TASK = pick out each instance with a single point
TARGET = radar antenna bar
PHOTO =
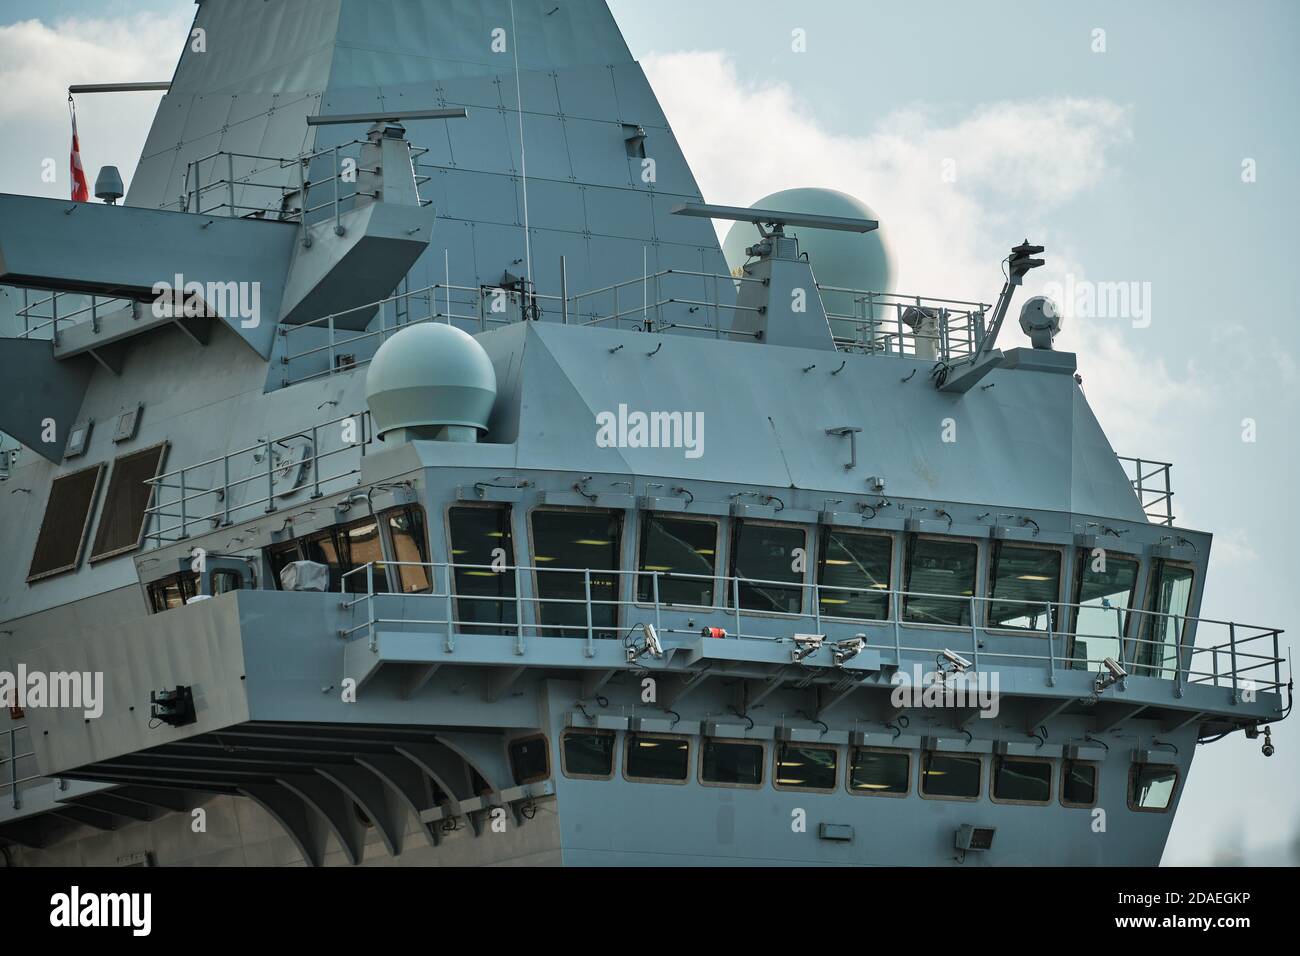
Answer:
(772, 217)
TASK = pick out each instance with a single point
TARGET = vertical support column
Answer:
(586, 587)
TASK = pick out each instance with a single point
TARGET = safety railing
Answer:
(59, 311)
(221, 491)
(889, 323)
(665, 301)
(1151, 484)
(14, 749)
(600, 604)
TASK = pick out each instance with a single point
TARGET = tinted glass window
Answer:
(725, 761)
(121, 520)
(1151, 786)
(576, 540)
(67, 519)
(936, 568)
(173, 591)
(589, 753)
(657, 758)
(876, 771)
(763, 556)
(1079, 782)
(280, 555)
(529, 760)
(1025, 780)
(406, 531)
(485, 586)
(1163, 634)
(359, 544)
(1104, 590)
(670, 548)
(322, 547)
(805, 767)
(853, 571)
(1025, 581)
(949, 775)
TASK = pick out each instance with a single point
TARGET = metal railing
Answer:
(9, 758)
(1151, 484)
(1146, 643)
(54, 312)
(673, 300)
(204, 494)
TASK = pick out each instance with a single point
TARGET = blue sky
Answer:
(1126, 163)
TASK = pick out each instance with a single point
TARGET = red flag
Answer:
(80, 191)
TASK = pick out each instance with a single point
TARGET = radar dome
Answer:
(849, 260)
(431, 381)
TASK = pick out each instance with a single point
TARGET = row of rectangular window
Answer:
(665, 758)
(677, 563)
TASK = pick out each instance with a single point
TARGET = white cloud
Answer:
(1015, 162)
(37, 64)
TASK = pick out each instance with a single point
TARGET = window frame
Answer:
(1131, 787)
(958, 755)
(1082, 557)
(1066, 762)
(1053, 626)
(537, 602)
(164, 448)
(732, 552)
(415, 510)
(893, 751)
(762, 762)
(546, 749)
(905, 577)
(589, 732)
(823, 533)
(632, 735)
(84, 541)
(776, 764)
(638, 545)
(1147, 618)
(994, 766)
(519, 602)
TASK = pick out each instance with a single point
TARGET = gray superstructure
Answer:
(553, 635)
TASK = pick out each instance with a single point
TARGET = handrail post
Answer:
(450, 642)
(13, 768)
(315, 463)
(184, 520)
(519, 616)
(370, 603)
(1232, 649)
(896, 600)
(586, 585)
(655, 583)
(225, 491)
(564, 291)
(1178, 655)
(230, 183)
(1051, 649)
(974, 636)
(1277, 665)
(735, 598)
(270, 480)
(338, 229)
(54, 317)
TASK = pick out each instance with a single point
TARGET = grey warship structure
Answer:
(425, 487)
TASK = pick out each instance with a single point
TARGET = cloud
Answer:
(37, 64)
(1015, 162)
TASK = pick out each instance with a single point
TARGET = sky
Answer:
(1150, 144)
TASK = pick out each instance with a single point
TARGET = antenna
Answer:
(771, 217)
(342, 119)
(523, 160)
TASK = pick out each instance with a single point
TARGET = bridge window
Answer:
(1025, 581)
(571, 542)
(1162, 632)
(588, 753)
(483, 551)
(1151, 787)
(950, 776)
(765, 558)
(1104, 588)
(67, 520)
(670, 548)
(806, 767)
(529, 759)
(880, 772)
(279, 556)
(731, 762)
(173, 591)
(406, 532)
(1078, 783)
(1022, 780)
(122, 519)
(657, 758)
(936, 568)
(853, 571)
